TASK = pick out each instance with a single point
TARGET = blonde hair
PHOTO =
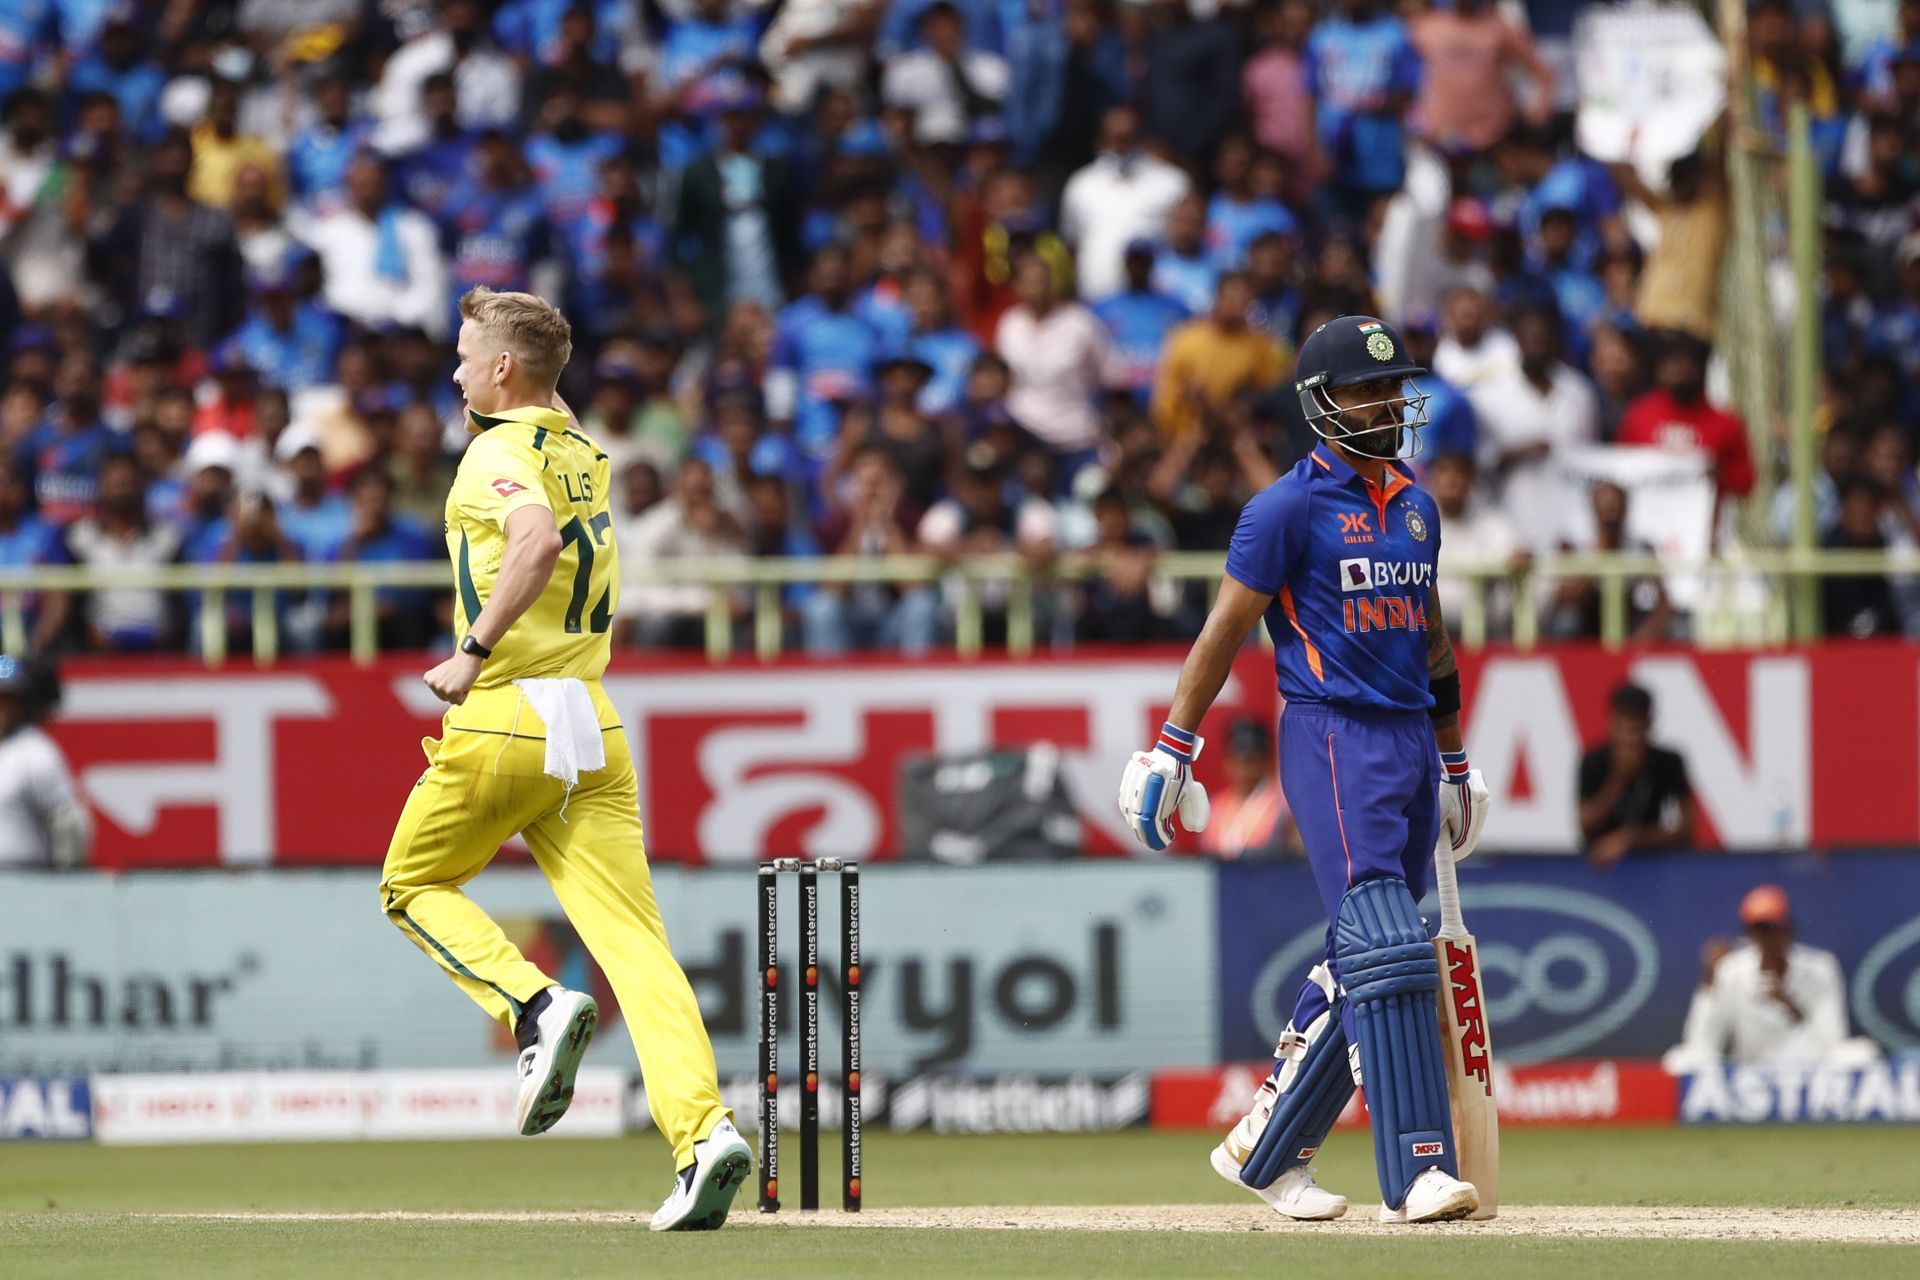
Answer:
(530, 327)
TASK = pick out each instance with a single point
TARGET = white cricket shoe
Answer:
(553, 1034)
(1294, 1194)
(1434, 1197)
(703, 1191)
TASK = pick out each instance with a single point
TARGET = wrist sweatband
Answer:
(1176, 742)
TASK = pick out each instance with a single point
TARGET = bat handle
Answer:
(1447, 884)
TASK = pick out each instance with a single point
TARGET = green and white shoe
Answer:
(703, 1191)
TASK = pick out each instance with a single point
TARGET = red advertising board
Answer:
(1604, 1092)
(310, 762)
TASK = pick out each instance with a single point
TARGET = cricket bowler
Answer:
(1338, 555)
(531, 746)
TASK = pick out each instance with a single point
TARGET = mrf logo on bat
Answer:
(1463, 979)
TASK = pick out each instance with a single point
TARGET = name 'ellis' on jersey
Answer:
(531, 457)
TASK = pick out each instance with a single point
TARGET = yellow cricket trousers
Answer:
(483, 785)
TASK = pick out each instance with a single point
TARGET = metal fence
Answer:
(1743, 598)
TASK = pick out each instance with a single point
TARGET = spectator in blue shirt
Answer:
(115, 67)
(376, 535)
(1528, 159)
(777, 530)
(567, 158)
(65, 452)
(81, 21)
(937, 342)
(28, 29)
(1363, 73)
(711, 39)
(1896, 331)
(26, 541)
(1140, 320)
(823, 355)
(318, 158)
(1580, 297)
(313, 516)
(1182, 268)
(248, 535)
(493, 227)
(536, 30)
(427, 174)
(1236, 215)
(1273, 275)
(290, 342)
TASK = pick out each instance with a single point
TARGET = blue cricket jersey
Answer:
(1351, 570)
(1352, 70)
(1139, 323)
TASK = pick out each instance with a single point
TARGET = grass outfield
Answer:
(80, 1210)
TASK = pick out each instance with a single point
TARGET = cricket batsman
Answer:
(530, 745)
(1338, 555)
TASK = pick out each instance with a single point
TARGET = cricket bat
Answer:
(1466, 1045)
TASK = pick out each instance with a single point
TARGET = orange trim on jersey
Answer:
(1313, 654)
(1396, 481)
(1324, 464)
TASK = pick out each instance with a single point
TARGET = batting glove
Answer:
(1463, 803)
(1159, 783)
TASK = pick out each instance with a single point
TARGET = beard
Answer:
(1371, 441)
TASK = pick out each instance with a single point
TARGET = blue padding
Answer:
(1387, 966)
(1303, 1116)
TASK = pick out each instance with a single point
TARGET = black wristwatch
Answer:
(469, 645)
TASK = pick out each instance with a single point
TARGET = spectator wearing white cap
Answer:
(43, 822)
(313, 515)
(1770, 999)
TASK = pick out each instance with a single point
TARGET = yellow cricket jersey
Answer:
(532, 457)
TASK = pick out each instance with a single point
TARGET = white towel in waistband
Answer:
(574, 745)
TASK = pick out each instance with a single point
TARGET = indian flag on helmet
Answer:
(1379, 345)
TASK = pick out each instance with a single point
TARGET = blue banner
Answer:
(1881, 1093)
(1581, 963)
(36, 1107)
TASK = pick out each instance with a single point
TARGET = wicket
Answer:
(808, 871)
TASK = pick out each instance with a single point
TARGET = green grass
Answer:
(64, 1210)
(1869, 1167)
(114, 1249)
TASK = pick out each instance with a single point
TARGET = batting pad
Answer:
(1391, 979)
(1303, 1114)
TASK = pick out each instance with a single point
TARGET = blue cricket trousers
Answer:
(1364, 787)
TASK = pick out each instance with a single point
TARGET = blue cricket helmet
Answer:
(1346, 352)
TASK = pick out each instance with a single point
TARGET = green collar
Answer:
(530, 415)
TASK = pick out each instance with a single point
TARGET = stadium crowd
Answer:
(853, 277)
